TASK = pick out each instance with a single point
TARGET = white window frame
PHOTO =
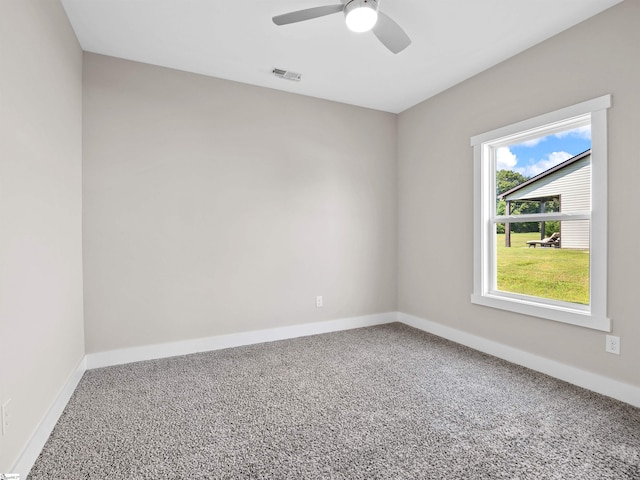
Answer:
(484, 146)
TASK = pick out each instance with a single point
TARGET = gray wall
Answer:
(213, 207)
(41, 325)
(435, 237)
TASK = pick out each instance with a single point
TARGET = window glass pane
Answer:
(552, 263)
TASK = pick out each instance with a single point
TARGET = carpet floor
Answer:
(386, 402)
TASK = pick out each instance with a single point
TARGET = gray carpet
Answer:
(384, 402)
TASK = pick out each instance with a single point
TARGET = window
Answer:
(540, 224)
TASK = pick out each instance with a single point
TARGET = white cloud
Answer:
(505, 159)
(580, 132)
(551, 160)
(533, 142)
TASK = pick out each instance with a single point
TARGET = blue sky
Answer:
(535, 156)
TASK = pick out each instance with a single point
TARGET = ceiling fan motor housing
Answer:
(361, 15)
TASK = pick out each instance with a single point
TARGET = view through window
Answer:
(544, 176)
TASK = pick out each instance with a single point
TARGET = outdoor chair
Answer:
(552, 241)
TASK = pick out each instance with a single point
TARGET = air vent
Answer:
(287, 75)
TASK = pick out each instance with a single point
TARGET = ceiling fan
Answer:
(360, 16)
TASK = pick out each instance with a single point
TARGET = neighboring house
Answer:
(570, 182)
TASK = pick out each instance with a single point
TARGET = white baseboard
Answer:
(39, 438)
(591, 381)
(151, 352)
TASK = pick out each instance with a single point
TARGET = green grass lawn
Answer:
(553, 273)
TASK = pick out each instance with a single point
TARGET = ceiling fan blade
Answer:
(307, 14)
(391, 34)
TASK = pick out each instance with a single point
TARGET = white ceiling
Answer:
(236, 40)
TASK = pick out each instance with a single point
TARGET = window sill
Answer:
(550, 312)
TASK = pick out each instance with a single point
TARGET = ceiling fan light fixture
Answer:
(361, 15)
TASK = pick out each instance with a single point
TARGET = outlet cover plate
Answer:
(4, 415)
(613, 344)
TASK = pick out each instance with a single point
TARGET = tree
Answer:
(505, 181)
(508, 179)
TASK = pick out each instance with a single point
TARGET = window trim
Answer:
(593, 316)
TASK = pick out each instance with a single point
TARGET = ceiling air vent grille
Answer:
(287, 75)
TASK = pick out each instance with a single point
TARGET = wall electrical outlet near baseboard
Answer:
(613, 344)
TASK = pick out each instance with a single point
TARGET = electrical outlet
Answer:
(4, 413)
(319, 301)
(613, 344)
